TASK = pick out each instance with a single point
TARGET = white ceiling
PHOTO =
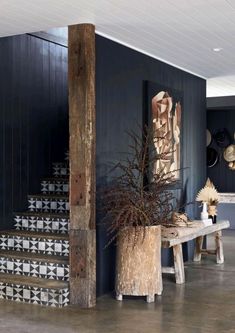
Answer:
(180, 32)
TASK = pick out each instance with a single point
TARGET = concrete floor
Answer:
(206, 303)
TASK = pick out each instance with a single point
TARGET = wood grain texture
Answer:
(227, 197)
(82, 126)
(219, 247)
(198, 235)
(179, 264)
(198, 248)
(220, 225)
(82, 277)
(138, 269)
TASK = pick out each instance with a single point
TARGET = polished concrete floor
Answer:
(206, 303)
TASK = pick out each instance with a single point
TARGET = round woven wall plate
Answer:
(212, 157)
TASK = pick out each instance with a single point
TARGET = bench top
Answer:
(169, 242)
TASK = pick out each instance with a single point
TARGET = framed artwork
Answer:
(163, 111)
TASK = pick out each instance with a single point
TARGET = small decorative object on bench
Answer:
(209, 196)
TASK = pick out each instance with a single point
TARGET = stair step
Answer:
(35, 242)
(39, 221)
(34, 264)
(55, 185)
(34, 257)
(32, 234)
(60, 169)
(34, 290)
(44, 214)
(55, 179)
(48, 203)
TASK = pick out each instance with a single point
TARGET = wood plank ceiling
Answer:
(182, 32)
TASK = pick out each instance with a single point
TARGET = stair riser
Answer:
(35, 245)
(51, 225)
(40, 296)
(60, 169)
(38, 269)
(57, 187)
(48, 205)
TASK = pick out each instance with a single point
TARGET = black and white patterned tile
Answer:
(54, 186)
(60, 169)
(41, 223)
(58, 247)
(33, 295)
(48, 204)
(30, 267)
(66, 156)
(48, 213)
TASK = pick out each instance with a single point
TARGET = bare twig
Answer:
(138, 196)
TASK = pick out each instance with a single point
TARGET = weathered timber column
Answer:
(82, 235)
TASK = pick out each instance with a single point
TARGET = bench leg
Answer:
(160, 285)
(219, 247)
(179, 264)
(198, 249)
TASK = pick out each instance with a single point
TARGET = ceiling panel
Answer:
(182, 32)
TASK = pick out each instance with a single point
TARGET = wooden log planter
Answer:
(138, 270)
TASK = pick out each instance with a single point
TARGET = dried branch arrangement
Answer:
(138, 197)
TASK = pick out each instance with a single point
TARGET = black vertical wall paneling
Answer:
(46, 87)
(52, 83)
(29, 113)
(220, 174)
(61, 118)
(7, 176)
(119, 99)
(120, 75)
(223, 178)
(15, 177)
(3, 97)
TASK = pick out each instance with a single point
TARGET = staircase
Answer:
(34, 266)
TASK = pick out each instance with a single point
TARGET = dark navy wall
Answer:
(33, 117)
(34, 126)
(220, 174)
(119, 81)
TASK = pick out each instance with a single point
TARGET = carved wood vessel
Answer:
(138, 270)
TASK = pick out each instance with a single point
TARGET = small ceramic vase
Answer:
(204, 213)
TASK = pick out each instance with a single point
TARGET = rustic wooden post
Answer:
(82, 236)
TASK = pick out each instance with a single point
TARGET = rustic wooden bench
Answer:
(176, 244)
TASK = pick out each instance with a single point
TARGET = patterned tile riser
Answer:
(35, 223)
(57, 187)
(34, 245)
(41, 296)
(60, 169)
(38, 269)
(48, 205)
